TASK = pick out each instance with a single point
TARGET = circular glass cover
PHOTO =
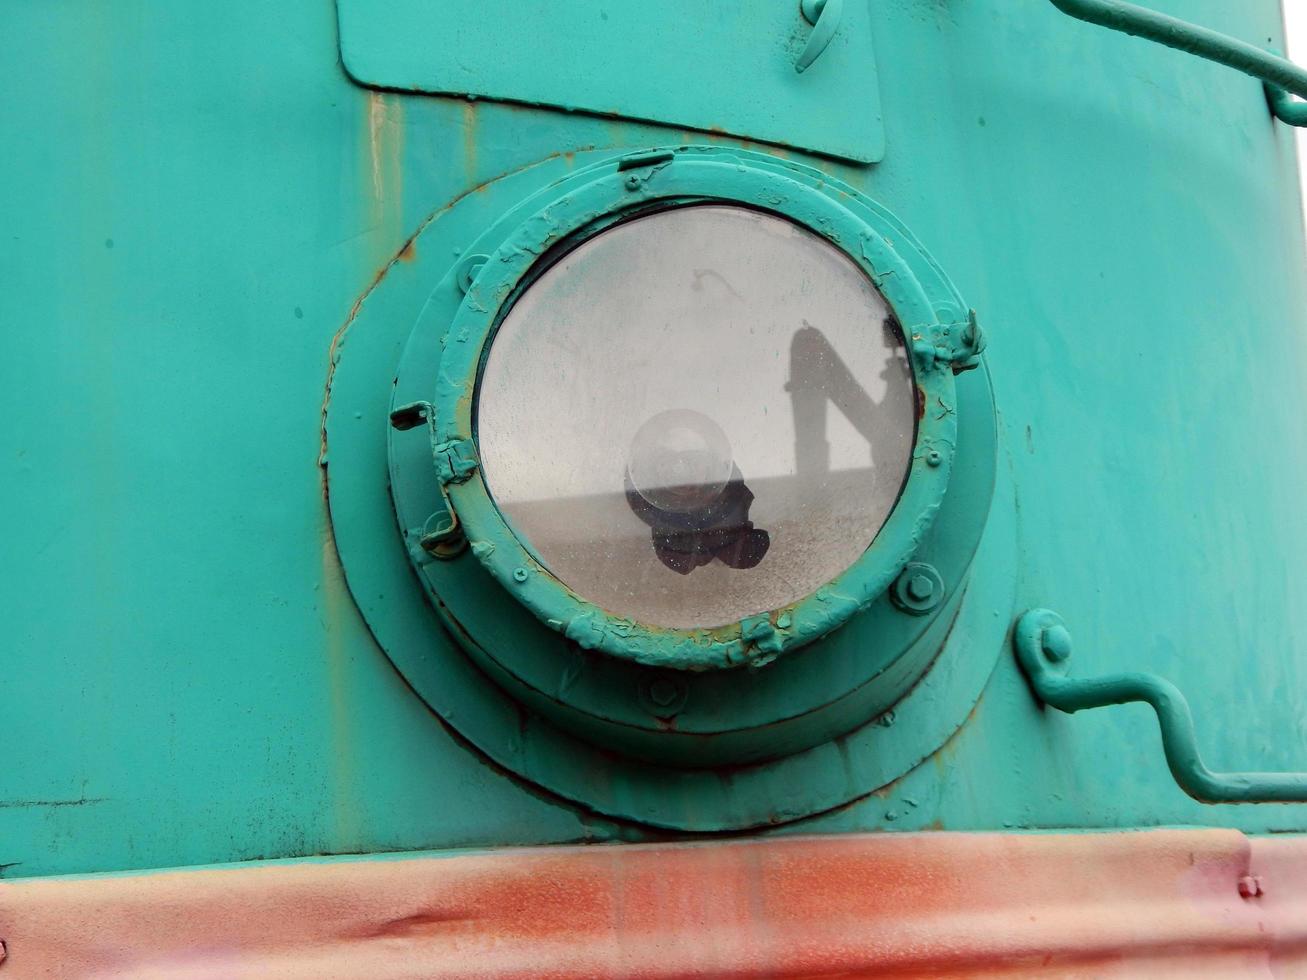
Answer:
(697, 415)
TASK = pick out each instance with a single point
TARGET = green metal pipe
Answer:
(1043, 647)
(1281, 76)
(1285, 107)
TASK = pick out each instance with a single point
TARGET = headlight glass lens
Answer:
(697, 415)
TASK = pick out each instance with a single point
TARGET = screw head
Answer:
(520, 574)
(632, 181)
(934, 458)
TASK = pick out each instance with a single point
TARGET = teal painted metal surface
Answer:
(202, 206)
(1043, 646)
(806, 734)
(1282, 77)
(758, 58)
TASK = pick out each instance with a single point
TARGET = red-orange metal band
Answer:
(1147, 904)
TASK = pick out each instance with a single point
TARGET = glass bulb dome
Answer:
(680, 461)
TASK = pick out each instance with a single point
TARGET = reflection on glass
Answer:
(683, 482)
(635, 385)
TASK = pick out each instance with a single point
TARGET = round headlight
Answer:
(697, 415)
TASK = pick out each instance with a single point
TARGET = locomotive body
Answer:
(276, 617)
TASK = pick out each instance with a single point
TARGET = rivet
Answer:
(520, 574)
(1055, 641)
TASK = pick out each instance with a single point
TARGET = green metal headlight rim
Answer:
(739, 748)
(867, 237)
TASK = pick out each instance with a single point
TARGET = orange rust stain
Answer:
(405, 252)
(904, 905)
(385, 142)
(470, 140)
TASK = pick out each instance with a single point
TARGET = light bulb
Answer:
(680, 461)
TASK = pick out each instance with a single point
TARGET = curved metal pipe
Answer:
(1279, 75)
(1043, 647)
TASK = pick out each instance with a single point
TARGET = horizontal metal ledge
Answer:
(1179, 902)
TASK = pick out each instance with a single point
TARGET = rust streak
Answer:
(409, 246)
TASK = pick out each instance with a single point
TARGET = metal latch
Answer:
(454, 461)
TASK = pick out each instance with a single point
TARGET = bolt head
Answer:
(1056, 643)
(920, 587)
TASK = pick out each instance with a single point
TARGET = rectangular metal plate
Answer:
(722, 66)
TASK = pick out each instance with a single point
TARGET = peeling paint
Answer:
(599, 195)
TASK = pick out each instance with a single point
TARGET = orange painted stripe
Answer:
(1148, 904)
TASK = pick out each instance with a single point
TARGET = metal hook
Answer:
(1043, 647)
(824, 16)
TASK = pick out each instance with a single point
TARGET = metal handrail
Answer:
(1043, 647)
(1280, 76)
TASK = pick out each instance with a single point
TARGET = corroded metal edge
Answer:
(1173, 902)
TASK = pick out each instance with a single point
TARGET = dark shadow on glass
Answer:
(819, 375)
(686, 540)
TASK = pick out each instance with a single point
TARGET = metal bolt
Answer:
(1055, 641)
(934, 457)
(663, 696)
(920, 587)
(520, 574)
(632, 181)
(468, 269)
(1250, 886)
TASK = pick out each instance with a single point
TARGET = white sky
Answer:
(1295, 20)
